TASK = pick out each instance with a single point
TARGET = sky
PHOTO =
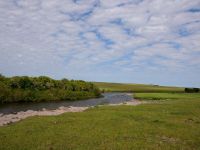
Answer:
(128, 41)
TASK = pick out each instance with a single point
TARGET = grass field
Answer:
(122, 87)
(170, 124)
(166, 96)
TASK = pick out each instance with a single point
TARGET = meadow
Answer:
(172, 123)
(166, 96)
(125, 87)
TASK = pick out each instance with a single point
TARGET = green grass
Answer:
(122, 87)
(166, 96)
(172, 124)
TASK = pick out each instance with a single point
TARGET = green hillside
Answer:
(123, 87)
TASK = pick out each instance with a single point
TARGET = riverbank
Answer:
(11, 118)
(13, 113)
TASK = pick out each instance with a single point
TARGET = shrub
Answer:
(32, 89)
(192, 90)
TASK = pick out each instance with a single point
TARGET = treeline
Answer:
(192, 90)
(35, 89)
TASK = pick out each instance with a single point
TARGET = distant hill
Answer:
(126, 87)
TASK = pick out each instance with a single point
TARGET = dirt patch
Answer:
(135, 102)
(132, 103)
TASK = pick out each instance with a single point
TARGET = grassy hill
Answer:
(123, 87)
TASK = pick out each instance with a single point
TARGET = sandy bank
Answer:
(10, 118)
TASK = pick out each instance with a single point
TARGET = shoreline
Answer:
(11, 118)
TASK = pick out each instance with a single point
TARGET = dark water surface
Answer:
(109, 98)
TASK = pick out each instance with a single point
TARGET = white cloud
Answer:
(118, 34)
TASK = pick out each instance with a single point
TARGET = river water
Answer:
(109, 98)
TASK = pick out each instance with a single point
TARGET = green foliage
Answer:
(4, 92)
(192, 90)
(32, 89)
(2, 77)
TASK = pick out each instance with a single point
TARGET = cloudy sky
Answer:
(137, 41)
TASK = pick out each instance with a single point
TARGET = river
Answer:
(109, 98)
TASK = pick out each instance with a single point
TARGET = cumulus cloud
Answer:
(84, 38)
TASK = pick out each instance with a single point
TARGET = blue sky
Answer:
(136, 41)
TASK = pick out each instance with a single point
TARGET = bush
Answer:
(192, 90)
(32, 89)
(4, 92)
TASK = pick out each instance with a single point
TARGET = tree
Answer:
(25, 83)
